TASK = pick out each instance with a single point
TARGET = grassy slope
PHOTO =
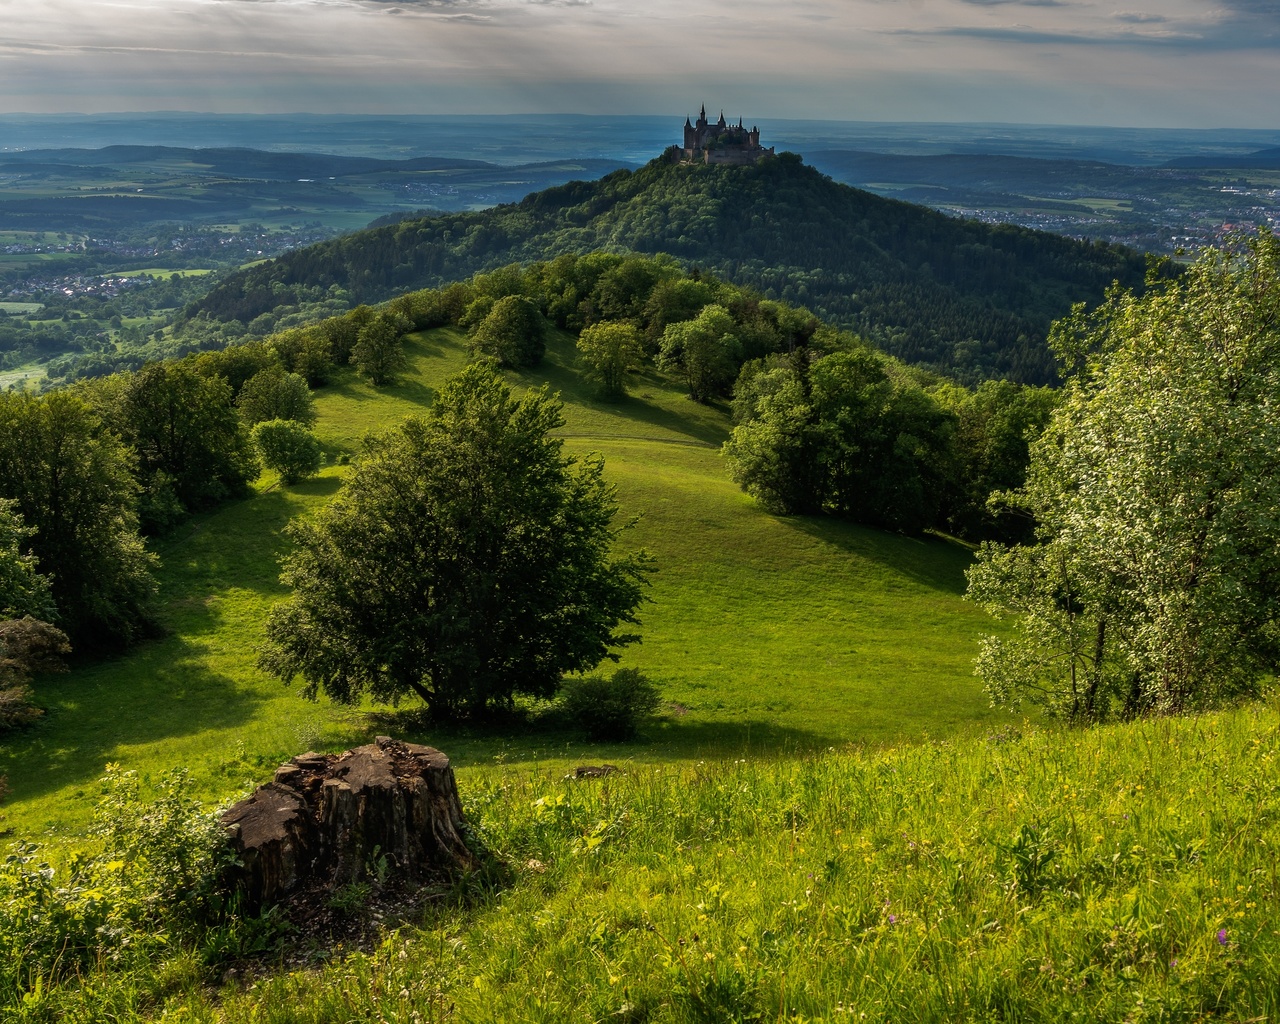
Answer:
(1043, 877)
(773, 634)
(1123, 874)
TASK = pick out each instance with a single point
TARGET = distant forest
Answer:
(971, 300)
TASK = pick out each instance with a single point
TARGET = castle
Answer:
(718, 143)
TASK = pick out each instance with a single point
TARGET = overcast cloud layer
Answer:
(1177, 63)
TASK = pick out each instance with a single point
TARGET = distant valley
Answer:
(98, 214)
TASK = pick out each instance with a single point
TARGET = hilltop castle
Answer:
(718, 143)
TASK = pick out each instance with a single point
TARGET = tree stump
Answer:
(388, 811)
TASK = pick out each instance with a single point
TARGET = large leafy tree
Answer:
(70, 479)
(467, 559)
(189, 441)
(273, 394)
(289, 448)
(1154, 582)
(610, 351)
(704, 350)
(513, 331)
(23, 590)
(378, 351)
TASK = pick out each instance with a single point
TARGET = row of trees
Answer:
(841, 434)
(825, 425)
(87, 472)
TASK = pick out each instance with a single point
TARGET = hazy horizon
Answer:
(1175, 64)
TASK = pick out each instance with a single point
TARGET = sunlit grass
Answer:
(1126, 873)
(766, 635)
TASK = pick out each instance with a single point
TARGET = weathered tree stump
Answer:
(389, 810)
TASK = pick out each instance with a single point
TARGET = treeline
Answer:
(88, 472)
(825, 424)
(969, 299)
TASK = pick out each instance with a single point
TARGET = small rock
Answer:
(592, 771)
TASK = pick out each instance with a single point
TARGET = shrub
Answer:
(27, 646)
(272, 394)
(289, 448)
(159, 878)
(610, 709)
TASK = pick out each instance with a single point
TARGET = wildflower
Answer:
(1222, 936)
(893, 918)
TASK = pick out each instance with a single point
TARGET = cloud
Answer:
(1019, 3)
(1139, 17)
(1160, 61)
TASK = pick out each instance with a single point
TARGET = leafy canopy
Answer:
(273, 394)
(609, 351)
(23, 591)
(289, 448)
(71, 481)
(466, 560)
(1154, 582)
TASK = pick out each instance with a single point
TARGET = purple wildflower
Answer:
(893, 918)
(1222, 936)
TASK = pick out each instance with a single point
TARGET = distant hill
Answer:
(121, 188)
(1263, 159)
(242, 163)
(962, 297)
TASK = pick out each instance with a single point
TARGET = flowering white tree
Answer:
(1154, 584)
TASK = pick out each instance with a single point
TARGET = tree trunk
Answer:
(388, 811)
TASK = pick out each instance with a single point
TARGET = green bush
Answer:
(156, 884)
(289, 448)
(610, 709)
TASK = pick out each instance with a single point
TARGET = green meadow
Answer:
(827, 823)
(766, 635)
(1126, 873)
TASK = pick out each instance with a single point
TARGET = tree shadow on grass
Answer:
(516, 741)
(316, 487)
(564, 378)
(408, 389)
(156, 692)
(934, 562)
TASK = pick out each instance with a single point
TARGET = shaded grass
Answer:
(767, 635)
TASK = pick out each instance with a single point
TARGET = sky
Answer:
(1173, 63)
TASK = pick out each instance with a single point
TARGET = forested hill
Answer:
(968, 298)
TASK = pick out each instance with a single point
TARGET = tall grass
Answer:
(1123, 874)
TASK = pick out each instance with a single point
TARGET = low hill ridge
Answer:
(971, 299)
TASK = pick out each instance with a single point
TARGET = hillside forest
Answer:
(1123, 522)
(956, 296)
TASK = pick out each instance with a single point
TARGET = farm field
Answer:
(766, 635)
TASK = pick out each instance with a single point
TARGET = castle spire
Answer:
(703, 113)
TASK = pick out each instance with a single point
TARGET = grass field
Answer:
(766, 634)
(161, 272)
(785, 846)
(21, 307)
(28, 374)
(1122, 874)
